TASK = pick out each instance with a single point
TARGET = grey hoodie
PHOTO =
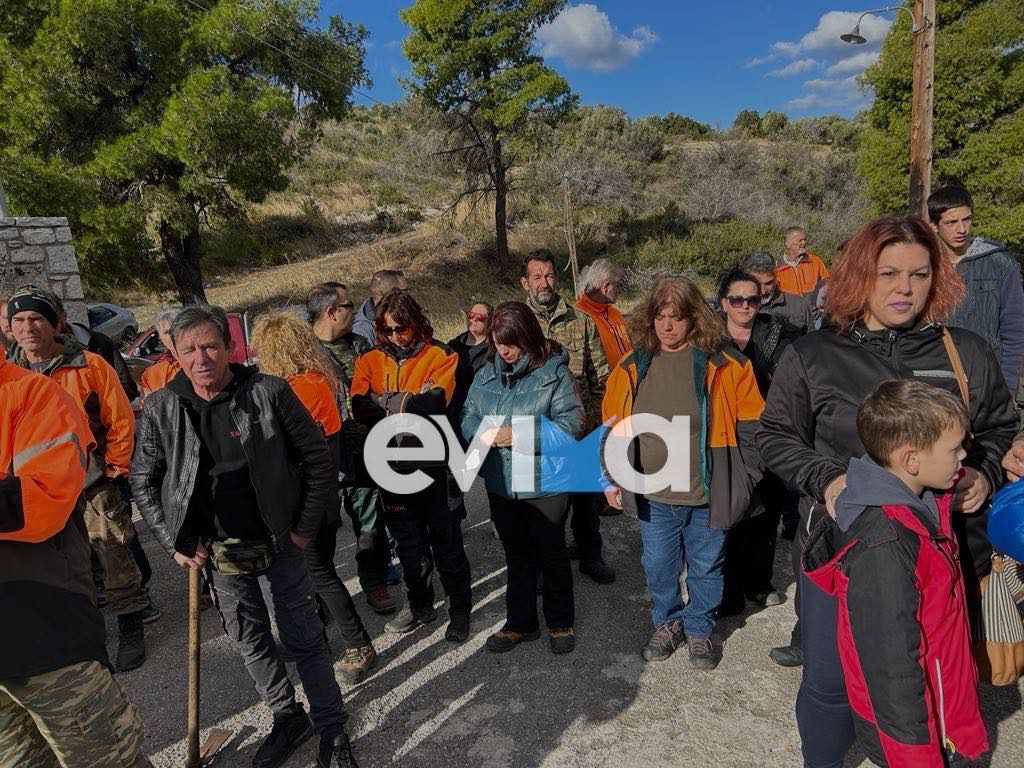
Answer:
(994, 305)
(869, 485)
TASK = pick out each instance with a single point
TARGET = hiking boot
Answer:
(407, 620)
(664, 641)
(357, 662)
(563, 640)
(504, 640)
(289, 731)
(150, 613)
(336, 753)
(380, 600)
(131, 649)
(703, 654)
(458, 628)
(598, 571)
(787, 656)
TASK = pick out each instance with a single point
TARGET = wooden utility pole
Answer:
(570, 236)
(921, 107)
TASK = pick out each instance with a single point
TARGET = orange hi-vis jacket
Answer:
(730, 405)
(802, 279)
(94, 385)
(421, 383)
(44, 443)
(157, 375)
(46, 592)
(611, 326)
(316, 393)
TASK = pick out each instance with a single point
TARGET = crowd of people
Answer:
(875, 442)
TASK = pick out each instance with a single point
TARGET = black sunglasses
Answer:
(738, 301)
(390, 330)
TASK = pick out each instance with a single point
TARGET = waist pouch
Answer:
(235, 557)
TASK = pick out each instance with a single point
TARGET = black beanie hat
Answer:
(30, 298)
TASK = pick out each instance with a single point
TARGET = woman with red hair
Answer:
(886, 301)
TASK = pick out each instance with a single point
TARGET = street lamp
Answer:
(922, 95)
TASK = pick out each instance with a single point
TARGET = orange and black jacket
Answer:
(802, 279)
(730, 405)
(611, 326)
(46, 589)
(157, 375)
(321, 400)
(386, 381)
(94, 385)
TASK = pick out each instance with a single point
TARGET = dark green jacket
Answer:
(549, 390)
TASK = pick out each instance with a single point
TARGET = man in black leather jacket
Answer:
(233, 475)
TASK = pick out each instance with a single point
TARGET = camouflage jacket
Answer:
(576, 331)
(342, 353)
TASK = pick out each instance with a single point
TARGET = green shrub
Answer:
(709, 247)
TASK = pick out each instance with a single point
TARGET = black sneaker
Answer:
(703, 654)
(336, 753)
(563, 640)
(289, 731)
(598, 571)
(663, 642)
(458, 628)
(787, 656)
(150, 613)
(407, 620)
(131, 649)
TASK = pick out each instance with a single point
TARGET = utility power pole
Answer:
(570, 235)
(922, 107)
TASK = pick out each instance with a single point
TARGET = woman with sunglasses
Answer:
(750, 546)
(886, 299)
(471, 346)
(528, 375)
(287, 348)
(407, 371)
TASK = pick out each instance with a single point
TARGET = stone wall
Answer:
(39, 250)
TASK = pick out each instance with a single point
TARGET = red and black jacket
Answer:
(902, 632)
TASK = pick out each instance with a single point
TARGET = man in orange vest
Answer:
(600, 284)
(166, 366)
(799, 272)
(94, 386)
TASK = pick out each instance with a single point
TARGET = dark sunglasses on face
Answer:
(391, 330)
(477, 317)
(738, 301)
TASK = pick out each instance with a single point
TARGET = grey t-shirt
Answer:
(668, 390)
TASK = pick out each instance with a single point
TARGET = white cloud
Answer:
(824, 38)
(583, 36)
(857, 63)
(789, 49)
(757, 61)
(797, 67)
(826, 93)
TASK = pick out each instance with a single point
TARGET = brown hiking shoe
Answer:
(380, 601)
(357, 663)
(563, 640)
(505, 640)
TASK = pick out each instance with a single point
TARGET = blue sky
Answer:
(707, 60)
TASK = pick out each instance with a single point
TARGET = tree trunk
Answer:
(500, 198)
(181, 252)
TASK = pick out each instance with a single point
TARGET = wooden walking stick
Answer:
(196, 757)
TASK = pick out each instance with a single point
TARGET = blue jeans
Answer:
(669, 533)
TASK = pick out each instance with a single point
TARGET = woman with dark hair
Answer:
(472, 346)
(679, 368)
(527, 375)
(407, 371)
(750, 548)
(886, 298)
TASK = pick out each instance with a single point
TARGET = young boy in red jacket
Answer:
(891, 559)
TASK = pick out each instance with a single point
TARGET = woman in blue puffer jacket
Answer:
(527, 375)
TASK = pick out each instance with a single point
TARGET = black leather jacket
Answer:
(289, 462)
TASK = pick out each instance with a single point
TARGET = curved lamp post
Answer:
(922, 94)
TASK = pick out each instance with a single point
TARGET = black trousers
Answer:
(331, 589)
(586, 525)
(750, 547)
(428, 534)
(532, 531)
(373, 553)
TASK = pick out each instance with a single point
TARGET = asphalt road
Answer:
(430, 703)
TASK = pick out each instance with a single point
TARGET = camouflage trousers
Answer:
(73, 717)
(109, 520)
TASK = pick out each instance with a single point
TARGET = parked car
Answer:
(118, 323)
(147, 344)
